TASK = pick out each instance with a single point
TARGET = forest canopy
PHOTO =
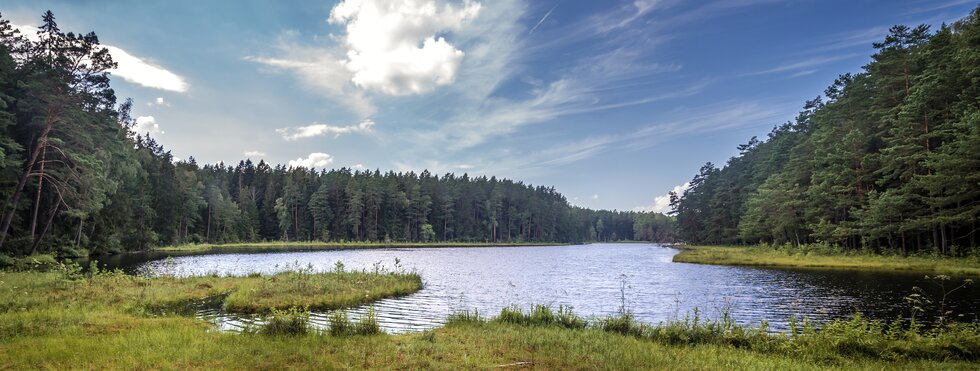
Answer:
(887, 159)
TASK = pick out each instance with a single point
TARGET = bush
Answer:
(37, 263)
(368, 325)
(542, 315)
(292, 321)
(341, 325)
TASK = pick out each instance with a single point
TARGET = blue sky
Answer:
(614, 103)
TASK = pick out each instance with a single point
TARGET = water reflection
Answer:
(596, 279)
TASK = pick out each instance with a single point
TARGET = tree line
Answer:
(888, 158)
(76, 178)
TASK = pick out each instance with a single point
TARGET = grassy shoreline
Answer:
(340, 245)
(66, 319)
(764, 256)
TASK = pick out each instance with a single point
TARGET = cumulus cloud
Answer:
(313, 161)
(131, 68)
(661, 204)
(394, 47)
(159, 102)
(254, 154)
(147, 125)
(322, 129)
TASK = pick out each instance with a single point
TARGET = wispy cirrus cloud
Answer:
(142, 72)
(683, 121)
(321, 70)
(133, 69)
(315, 130)
(803, 65)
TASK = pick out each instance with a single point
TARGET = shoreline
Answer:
(317, 245)
(764, 257)
(113, 323)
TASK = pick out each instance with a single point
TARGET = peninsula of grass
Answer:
(322, 291)
(821, 257)
(321, 245)
(115, 291)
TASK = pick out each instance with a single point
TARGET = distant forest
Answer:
(75, 178)
(889, 161)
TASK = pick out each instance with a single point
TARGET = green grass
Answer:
(336, 245)
(25, 291)
(323, 291)
(118, 340)
(805, 257)
(68, 320)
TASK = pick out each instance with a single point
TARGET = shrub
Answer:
(292, 321)
(37, 263)
(341, 325)
(368, 325)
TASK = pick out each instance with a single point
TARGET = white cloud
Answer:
(147, 125)
(321, 71)
(595, 196)
(358, 167)
(141, 72)
(803, 65)
(322, 129)
(130, 67)
(523, 159)
(391, 47)
(661, 204)
(546, 15)
(254, 154)
(313, 161)
(159, 102)
(396, 47)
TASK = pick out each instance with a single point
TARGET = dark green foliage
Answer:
(889, 161)
(36, 263)
(76, 179)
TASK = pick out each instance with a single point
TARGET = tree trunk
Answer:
(47, 227)
(207, 235)
(40, 187)
(942, 236)
(78, 236)
(11, 207)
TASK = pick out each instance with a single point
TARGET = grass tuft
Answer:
(341, 324)
(292, 322)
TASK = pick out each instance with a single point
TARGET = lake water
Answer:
(594, 279)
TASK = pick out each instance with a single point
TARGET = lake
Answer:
(594, 279)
